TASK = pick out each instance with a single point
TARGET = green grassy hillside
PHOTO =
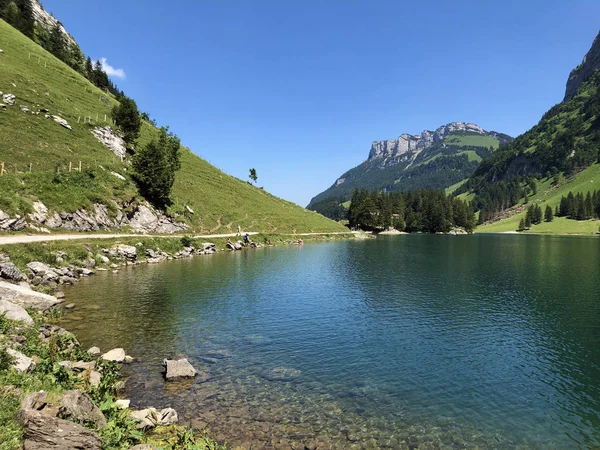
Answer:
(548, 194)
(30, 142)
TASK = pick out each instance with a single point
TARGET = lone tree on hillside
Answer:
(127, 117)
(252, 175)
(155, 166)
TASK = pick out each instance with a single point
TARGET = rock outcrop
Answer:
(15, 312)
(409, 144)
(78, 407)
(42, 18)
(591, 62)
(27, 298)
(141, 218)
(111, 140)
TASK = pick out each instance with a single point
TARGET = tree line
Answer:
(426, 210)
(19, 14)
(579, 207)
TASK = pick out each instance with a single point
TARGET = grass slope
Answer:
(472, 141)
(39, 80)
(587, 180)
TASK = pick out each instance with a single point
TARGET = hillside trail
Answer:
(32, 238)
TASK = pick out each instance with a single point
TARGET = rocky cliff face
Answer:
(591, 61)
(409, 144)
(44, 19)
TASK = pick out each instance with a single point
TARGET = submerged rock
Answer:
(176, 369)
(282, 374)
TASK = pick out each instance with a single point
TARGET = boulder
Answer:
(11, 272)
(36, 401)
(151, 417)
(116, 354)
(9, 99)
(177, 369)
(123, 404)
(126, 251)
(61, 122)
(41, 269)
(15, 312)
(47, 330)
(43, 431)
(24, 108)
(79, 407)
(94, 351)
(40, 213)
(27, 298)
(22, 363)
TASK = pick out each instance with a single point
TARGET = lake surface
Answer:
(414, 341)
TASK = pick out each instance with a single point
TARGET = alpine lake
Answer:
(413, 341)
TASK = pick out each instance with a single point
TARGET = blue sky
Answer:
(300, 89)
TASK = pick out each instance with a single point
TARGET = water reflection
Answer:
(400, 342)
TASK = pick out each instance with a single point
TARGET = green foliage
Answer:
(120, 431)
(549, 214)
(155, 167)
(252, 175)
(427, 211)
(521, 224)
(219, 201)
(127, 118)
(186, 241)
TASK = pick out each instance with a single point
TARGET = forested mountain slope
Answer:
(435, 159)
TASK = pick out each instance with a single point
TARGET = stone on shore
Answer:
(9, 271)
(94, 351)
(116, 354)
(15, 312)
(176, 369)
(27, 298)
(22, 363)
(151, 417)
(79, 407)
(126, 251)
(123, 404)
(43, 431)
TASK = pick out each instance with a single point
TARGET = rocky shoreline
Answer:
(86, 413)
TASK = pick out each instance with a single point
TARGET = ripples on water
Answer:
(408, 341)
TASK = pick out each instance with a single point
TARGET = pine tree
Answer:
(27, 22)
(588, 206)
(155, 166)
(89, 69)
(527, 221)
(521, 225)
(57, 44)
(549, 216)
(127, 117)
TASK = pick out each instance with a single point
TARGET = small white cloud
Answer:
(111, 71)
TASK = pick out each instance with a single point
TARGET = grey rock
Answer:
(70, 306)
(143, 447)
(126, 251)
(123, 404)
(591, 61)
(42, 270)
(177, 369)
(61, 121)
(10, 272)
(24, 108)
(15, 312)
(36, 401)
(116, 354)
(94, 351)
(9, 99)
(40, 213)
(151, 417)
(22, 363)
(27, 298)
(111, 139)
(43, 432)
(79, 407)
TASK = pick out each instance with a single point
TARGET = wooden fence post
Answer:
(1, 168)
(80, 166)
(29, 167)
(70, 164)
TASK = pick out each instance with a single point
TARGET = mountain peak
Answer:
(591, 61)
(408, 143)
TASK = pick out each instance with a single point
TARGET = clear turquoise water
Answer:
(412, 341)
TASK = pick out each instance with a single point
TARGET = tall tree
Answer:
(549, 215)
(253, 175)
(155, 167)
(127, 117)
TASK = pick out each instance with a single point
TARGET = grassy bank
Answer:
(549, 194)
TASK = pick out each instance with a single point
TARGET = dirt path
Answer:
(26, 239)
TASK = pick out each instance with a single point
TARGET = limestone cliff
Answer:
(591, 61)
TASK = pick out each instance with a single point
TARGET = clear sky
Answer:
(299, 89)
